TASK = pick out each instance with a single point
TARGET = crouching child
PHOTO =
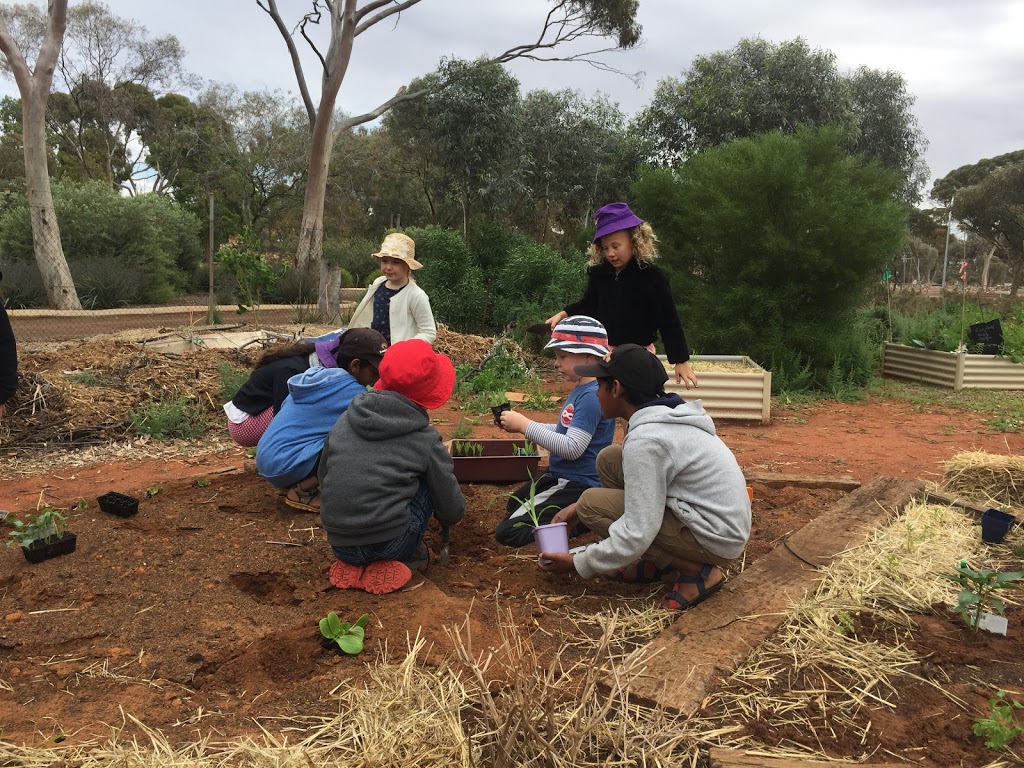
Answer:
(673, 503)
(385, 471)
(573, 441)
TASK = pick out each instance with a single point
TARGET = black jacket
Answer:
(268, 386)
(634, 306)
(8, 358)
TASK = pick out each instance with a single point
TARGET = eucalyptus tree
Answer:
(572, 23)
(30, 55)
(759, 86)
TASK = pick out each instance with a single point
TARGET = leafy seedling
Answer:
(349, 637)
(1001, 726)
(533, 514)
(977, 590)
(153, 491)
(81, 504)
(202, 482)
(48, 523)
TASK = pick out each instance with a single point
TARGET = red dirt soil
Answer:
(207, 601)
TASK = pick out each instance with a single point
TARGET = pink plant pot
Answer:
(552, 538)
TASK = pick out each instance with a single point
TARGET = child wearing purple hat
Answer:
(627, 293)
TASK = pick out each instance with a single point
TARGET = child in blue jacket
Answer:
(288, 453)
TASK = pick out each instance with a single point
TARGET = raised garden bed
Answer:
(497, 461)
(729, 386)
(952, 370)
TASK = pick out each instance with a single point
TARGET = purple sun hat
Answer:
(612, 218)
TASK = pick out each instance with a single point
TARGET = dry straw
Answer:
(817, 675)
(993, 479)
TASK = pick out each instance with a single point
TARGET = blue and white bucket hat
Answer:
(580, 334)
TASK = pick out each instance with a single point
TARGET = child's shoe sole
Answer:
(384, 576)
(345, 576)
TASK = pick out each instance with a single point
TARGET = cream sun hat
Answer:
(401, 247)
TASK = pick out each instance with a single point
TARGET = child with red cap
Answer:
(385, 471)
(627, 293)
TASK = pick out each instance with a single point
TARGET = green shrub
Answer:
(450, 277)
(22, 287)
(355, 257)
(231, 380)
(106, 283)
(148, 233)
(165, 419)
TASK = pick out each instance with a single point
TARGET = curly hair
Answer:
(643, 240)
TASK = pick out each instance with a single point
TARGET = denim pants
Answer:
(402, 547)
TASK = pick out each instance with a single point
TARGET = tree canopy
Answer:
(760, 86)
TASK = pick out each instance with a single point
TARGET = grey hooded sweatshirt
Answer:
(674, 463)
(371, 468)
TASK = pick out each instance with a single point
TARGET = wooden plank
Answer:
(776, 480)
(933, 496)
(736, 758)
(709, 641)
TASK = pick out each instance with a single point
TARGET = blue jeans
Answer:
(402, 547)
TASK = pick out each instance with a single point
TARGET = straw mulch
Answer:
(992, 479)
(815, 674)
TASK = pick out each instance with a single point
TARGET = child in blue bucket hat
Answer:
(627, 292)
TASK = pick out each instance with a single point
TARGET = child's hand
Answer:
(567, 515)
(685, 375)
(560, 562)
(514, 422)
(556, 319)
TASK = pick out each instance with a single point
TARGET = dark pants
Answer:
(551, 495)
(401, 547)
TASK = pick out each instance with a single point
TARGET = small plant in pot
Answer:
(43, 536)
(498, 406)
(347, 638)
(526, 449)
(977, 590)
(550, 537)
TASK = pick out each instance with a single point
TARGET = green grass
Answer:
(1005, 407)
(86, 378)
(231, 380)
(166, 419)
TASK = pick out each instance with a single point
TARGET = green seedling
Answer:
(526, 449)
(1001, 726)
(533, 514)
(48, 523)
(202, 482)
(977, 590)
(153, 491)
(349, 637)
(462, 429)
(81, 504)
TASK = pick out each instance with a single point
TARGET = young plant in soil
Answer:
(977, 590)
(526, 449)
(1001, 726)
(533, 514)
(348, 637)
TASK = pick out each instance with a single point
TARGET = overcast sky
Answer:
(962, 59)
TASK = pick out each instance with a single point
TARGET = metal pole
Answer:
(945, 257)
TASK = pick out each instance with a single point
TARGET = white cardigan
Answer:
(410, 314)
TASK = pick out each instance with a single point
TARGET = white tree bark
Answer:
(34, 89)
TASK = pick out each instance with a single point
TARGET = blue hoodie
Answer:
(289, 449)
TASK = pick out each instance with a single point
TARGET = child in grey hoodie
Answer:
(673, 503)
(385, 471)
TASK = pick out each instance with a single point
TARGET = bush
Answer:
(535, 280)
(106, 283)
(165, 419)
(22, 287)
(451, 278)
(355, 257)
(776, 240)
(149, 233)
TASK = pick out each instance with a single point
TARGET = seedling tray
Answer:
(497, 464)
(118, 504)
(38, 551)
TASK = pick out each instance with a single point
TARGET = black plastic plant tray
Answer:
(118, 504)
